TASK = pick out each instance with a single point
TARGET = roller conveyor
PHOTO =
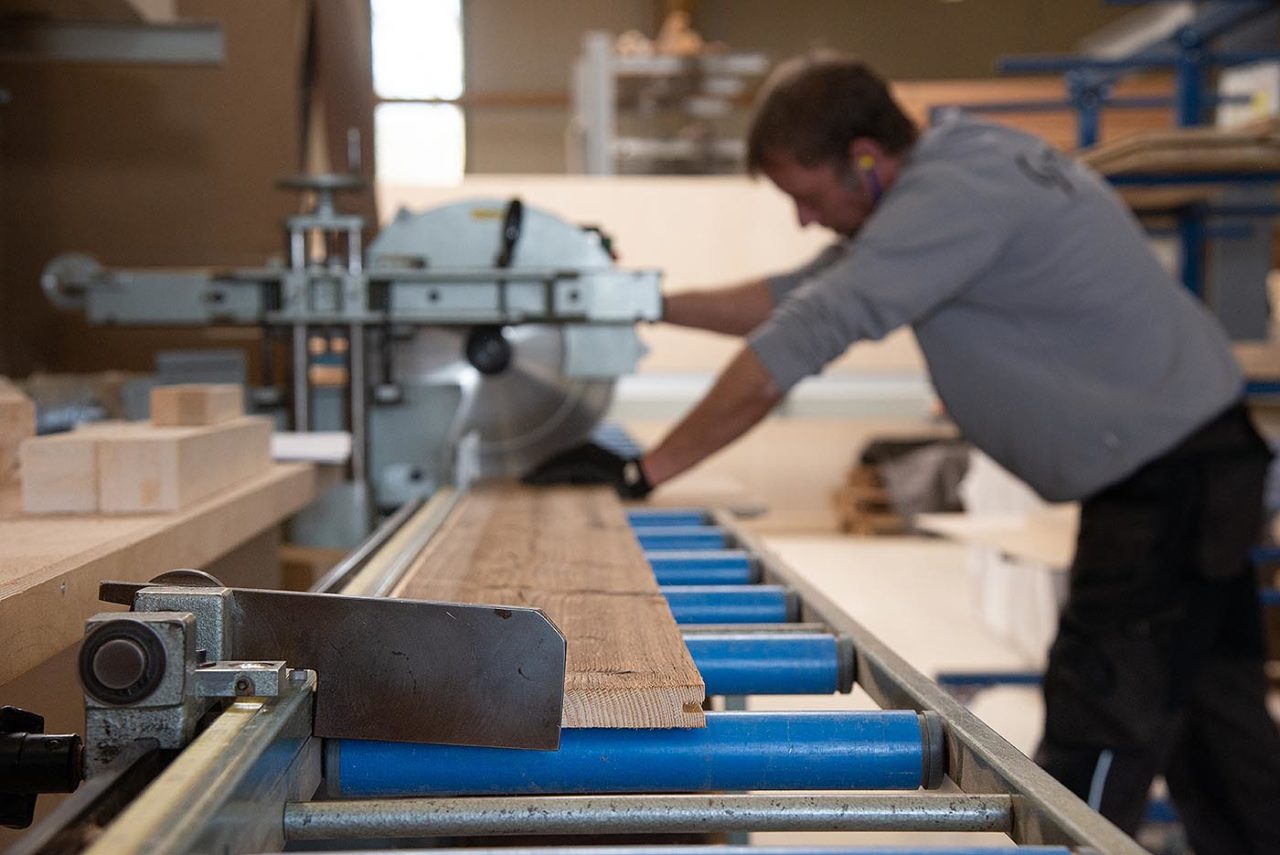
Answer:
(767, 633)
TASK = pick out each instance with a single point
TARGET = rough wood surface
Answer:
(50, 566)
(195, 404)
(570, 552)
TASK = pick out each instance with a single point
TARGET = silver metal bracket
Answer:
(389, 669)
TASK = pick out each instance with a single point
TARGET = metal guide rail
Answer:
(248, 782)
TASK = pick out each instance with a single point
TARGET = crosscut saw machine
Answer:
(484, 319)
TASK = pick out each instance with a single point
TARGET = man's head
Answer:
(829, 135)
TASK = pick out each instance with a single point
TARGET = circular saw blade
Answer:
(521, 415)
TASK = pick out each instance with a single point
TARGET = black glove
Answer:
(591, 464)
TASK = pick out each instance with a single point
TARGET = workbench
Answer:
(50, 566)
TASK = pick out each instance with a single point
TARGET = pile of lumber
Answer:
(1251, 148)
(863, 506)
(197, 442)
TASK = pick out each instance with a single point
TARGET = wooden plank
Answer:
(164, 469)
(60, 474)
(196, 404)
(17, 422)
(50, 566)
(570, 552)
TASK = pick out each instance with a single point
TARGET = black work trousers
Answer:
(1158, 663)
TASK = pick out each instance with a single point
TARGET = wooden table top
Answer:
(50, 565)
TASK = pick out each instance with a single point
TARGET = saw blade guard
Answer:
(511, 390)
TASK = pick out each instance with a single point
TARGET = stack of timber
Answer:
(1254, 147)
(570, 552)
(202, 443)
(863, 506)
(1251, 148)
(17, 423)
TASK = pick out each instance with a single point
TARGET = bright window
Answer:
(417, 79)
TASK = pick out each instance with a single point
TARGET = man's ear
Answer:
(865, 155)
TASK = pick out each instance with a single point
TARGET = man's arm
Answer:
(735, 310)
(742, 395)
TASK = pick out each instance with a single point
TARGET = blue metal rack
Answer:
(1190, 54)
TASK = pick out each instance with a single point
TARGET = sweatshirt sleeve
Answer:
(932, 236)
(782, 284)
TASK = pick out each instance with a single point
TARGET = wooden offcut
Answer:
(60, 474)
(167, 468)
(196, 404)
(571, 552)
(17, 422)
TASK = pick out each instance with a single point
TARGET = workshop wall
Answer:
(519, 55)
(145, 166)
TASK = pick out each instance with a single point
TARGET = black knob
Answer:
(34, 762)
(488, 350)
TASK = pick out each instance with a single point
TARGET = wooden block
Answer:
(60, 474)
(570, 552)
(192, 404)
(166, 468)
(17, 422)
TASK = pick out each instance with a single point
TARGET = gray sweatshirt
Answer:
(1057, 342)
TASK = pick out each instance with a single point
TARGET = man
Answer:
(1063, 350)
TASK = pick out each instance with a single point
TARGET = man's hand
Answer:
(591, 464)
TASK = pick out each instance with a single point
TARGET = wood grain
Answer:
(17, 422)
(167, 468)
(50, 566)
(60, 474)
(195, 404)
(570, 552)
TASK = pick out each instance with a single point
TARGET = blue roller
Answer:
(729, 603)
(682, 537)
(702, 567)
(666, 517)
(881, 750)
(783, 664)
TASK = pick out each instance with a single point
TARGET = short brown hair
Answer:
(813, 106)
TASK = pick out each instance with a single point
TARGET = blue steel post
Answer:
(1191, 240)
(883, 750)
(1087, 96)
(1189, 76)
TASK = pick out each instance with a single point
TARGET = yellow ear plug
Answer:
(866, 162)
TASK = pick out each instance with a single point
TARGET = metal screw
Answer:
(243, 686)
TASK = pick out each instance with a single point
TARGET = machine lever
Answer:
(512, 223)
